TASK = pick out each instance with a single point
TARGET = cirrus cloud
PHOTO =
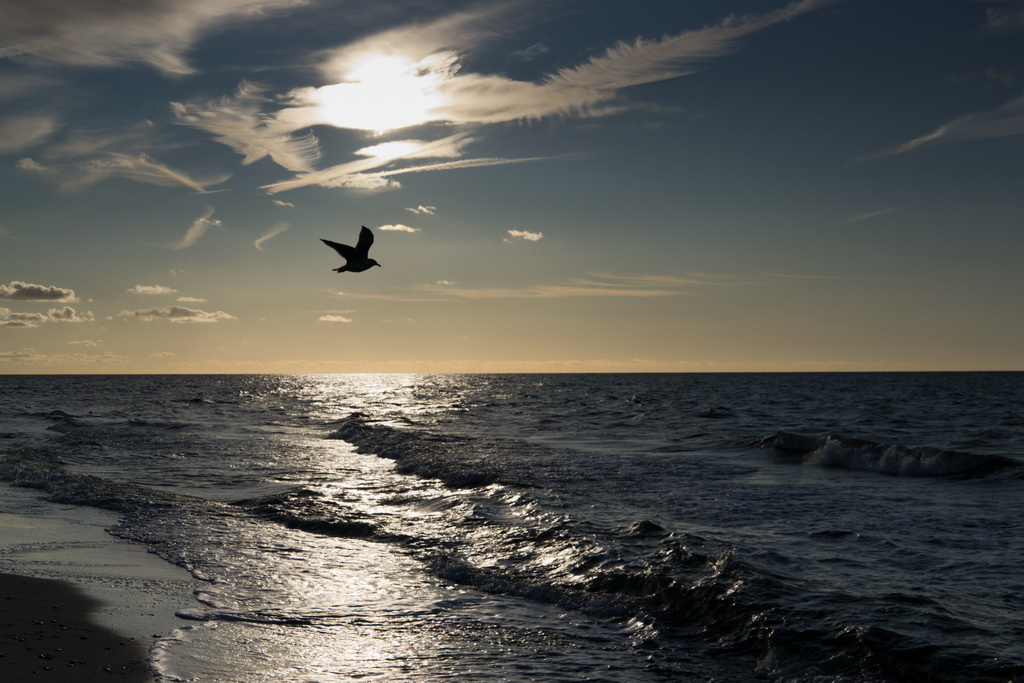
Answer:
(112, 32)
(196, 230)
(270, 234)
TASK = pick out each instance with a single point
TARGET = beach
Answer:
(48, 628)
(76, 603)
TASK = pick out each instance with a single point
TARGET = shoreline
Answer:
(47, 627)
(77, 603)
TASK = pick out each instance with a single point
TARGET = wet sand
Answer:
(77, 604)
(46, 634)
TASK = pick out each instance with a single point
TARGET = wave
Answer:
(868, 456)
(458, 461)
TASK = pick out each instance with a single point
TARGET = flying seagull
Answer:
(356, 258)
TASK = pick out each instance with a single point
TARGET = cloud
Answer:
(646, 61)
(270, 234)
(9, 318)
(67, 314)
(196, 230)
(525, 235)
(32, 165)
(141, 168)
(177, 314)
(416, 74)
(21, 132)
(429, 210)
(1004, 21)
(24, 291)
(353, 174)
(597, 285)
(398, 227)
(239, 123)
(16, 85)
(280, 203)
(331, 318)
(530, 53)
(86, 342)
(572, 289)
(113, 32)
(32, 357)
(190, 300)
(138, 167)
(1004, 77)
(1005, 121)
(868, 216)
(152, 289)
(90, 142)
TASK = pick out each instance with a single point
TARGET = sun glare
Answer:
(381, 93)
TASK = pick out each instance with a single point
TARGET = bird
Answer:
(356, 258)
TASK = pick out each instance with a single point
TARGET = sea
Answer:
(566, 527)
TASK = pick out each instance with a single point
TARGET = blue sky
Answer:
(553, 186)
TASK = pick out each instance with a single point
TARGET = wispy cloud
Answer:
(573, 289)
(270, 234)
(190, 300)
(138, 167)
(354, 174)
(112, 32)
(594, 286)
(999, 20)
(524, 235)
(143, 169)
(86, 342)
(646, 61)
(196, 230)
(416, 74)
(17, 290)
(530, 53)
(333, 318)
(280, 203)
(177, 314)
(240, 123)
(67, 314)
(152, 289)
(868, 216)
(418, 210)
(21, 132)
(1003, 122)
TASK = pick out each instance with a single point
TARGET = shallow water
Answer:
(855, 527)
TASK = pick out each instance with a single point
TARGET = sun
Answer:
(382, 93)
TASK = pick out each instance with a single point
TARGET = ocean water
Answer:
(735, 527)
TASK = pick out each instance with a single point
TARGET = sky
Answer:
(553, 185)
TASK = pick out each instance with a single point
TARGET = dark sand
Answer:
(46, 634)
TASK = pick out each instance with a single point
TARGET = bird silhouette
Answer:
(356, 258)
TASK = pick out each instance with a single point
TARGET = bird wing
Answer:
(364, 243)
(346, 252)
